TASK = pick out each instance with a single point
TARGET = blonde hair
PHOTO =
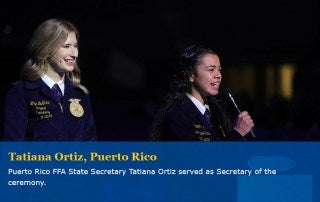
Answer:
(46, 40)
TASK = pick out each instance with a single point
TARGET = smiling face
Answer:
(64, 59)
(206, 81)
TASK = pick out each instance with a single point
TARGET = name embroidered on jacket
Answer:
(40, 108)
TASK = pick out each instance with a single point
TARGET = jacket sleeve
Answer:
(15, 116)
(178, 128)
(235, 136)
(90, 128)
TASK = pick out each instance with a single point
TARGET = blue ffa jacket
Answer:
(31, 113)
(185, 122)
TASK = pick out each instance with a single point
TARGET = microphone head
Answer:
(227, 92)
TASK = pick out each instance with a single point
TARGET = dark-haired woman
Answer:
(191, 111)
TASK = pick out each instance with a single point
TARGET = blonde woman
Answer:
(49, 103)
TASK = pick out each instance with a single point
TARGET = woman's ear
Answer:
(191, 78)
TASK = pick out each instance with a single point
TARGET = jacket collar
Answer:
(191, 110)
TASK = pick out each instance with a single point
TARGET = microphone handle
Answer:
(236, 106)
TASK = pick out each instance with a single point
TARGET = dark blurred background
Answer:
(269, 51)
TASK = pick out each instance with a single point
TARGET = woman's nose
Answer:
(74, 51)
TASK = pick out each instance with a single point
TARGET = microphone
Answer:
(228, 93)
(57, 59)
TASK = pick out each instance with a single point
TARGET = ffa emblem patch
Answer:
(75, 108)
